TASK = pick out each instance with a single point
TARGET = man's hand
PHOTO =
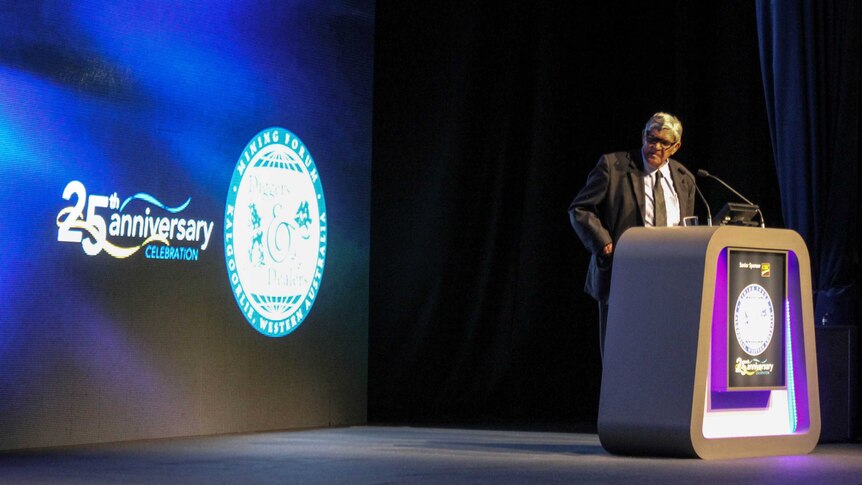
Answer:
(608, 249)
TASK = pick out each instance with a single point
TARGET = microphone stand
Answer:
(702, 198)
(704, 173)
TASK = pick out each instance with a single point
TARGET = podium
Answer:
(708, 352)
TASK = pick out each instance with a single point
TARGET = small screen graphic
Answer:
(756, 319)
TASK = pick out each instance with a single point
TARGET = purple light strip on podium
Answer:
(800, 376)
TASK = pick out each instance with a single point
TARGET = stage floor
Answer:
(379, 454)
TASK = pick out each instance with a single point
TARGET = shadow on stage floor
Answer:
(403, 454)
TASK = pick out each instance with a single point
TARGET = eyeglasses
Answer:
(654, 140)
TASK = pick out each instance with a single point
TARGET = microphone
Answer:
(705, 203)
(703, 173)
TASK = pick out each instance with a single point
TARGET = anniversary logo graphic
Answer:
(275, 232)
(164, 232)
(751, 367)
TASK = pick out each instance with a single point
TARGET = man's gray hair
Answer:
(664, 121)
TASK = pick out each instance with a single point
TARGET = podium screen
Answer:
(757, 289)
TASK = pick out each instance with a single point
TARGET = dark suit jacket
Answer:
(613, 201)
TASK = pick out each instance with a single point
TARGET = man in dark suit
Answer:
(641, 187)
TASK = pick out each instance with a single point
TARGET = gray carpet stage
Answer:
(407, 455)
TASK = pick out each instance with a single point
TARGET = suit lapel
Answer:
(636, 181)
(680, 184)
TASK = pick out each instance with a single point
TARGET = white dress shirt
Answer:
(671, 200)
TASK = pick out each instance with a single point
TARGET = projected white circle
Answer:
(275, 232)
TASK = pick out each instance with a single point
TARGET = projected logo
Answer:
(754, 319)
(138, 221)
(275, 232)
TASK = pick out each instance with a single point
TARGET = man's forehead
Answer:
(664, 132)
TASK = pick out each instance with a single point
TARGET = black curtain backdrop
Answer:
(811, 55)
(487, 118)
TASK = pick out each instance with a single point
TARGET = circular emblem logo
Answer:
(754, 319)
(275, 232)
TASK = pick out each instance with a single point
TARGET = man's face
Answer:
(658, 146)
